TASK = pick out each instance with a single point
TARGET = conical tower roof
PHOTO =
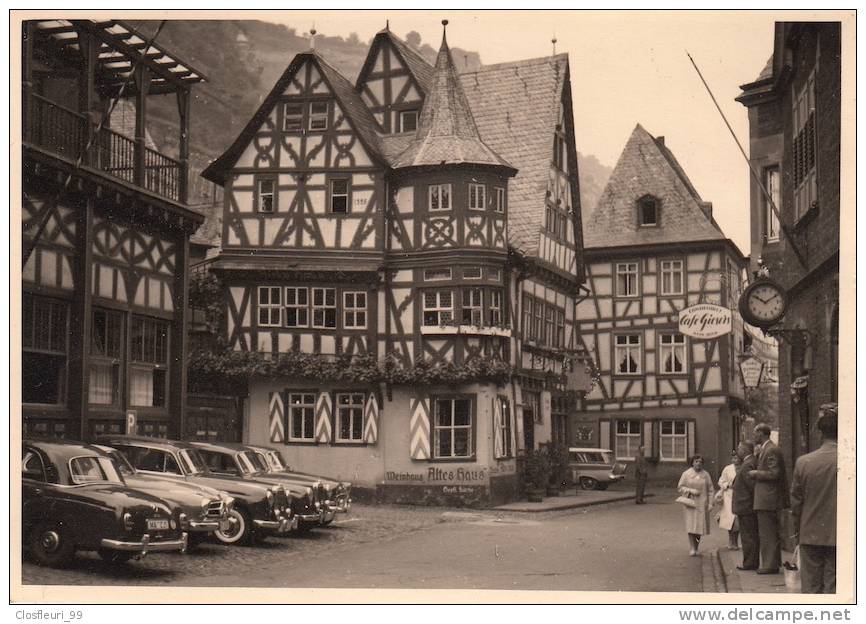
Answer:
(447, 133)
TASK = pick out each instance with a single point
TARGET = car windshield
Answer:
(275, 460)
(607, 457)
(192, 462)
(93, 470)
(255, 462)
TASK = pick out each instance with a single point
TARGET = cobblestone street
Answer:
(364, 524)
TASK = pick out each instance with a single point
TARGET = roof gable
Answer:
(417, 65)
(358, 115)
(515, 106)
(647, 167)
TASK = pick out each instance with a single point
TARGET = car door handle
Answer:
(37, 491)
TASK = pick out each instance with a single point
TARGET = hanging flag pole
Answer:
(755, 175)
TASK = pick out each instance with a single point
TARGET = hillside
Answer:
(243, 59)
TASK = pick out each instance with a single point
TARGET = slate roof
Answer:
(647, 167)
(446, 132)
(515, 108)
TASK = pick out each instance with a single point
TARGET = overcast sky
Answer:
(626, 68)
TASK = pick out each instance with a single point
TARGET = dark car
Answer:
(337, 494)
(260, 509)
(74, 498)
(202, 509)
(237, 460)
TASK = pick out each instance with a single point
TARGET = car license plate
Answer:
(157, 525)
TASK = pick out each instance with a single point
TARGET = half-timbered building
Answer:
(106, 233)
(652, 249)
(401, 225)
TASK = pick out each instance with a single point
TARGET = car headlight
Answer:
(172, 524)
(205, 503)
(128, 521)
(184, 521)
(270, 496)
(229, 502)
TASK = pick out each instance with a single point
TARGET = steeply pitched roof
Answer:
(647, 167)
(359, 116)
(515, 108)
(446, 132)
(421, 70)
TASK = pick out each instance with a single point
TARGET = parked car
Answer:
(338, 494)
(594, 468)
(202, 509)
(74, 498)
(237, 460)
(260, 509)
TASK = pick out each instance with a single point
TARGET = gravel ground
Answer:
(365, 523)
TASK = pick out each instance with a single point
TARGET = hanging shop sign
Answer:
(751, 369)
(705, 321)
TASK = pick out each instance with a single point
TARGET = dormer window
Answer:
(408, 120)
(648, 212)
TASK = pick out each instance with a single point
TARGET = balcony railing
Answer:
(65, 133)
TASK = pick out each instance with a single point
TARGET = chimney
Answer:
(707, 207)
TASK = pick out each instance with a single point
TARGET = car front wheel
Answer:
(50, 544)
(588, 483)
(239, 531)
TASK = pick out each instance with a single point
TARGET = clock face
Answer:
(765, 303)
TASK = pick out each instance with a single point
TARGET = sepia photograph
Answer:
(529, 306)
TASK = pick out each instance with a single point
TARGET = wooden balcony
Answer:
(65, 133)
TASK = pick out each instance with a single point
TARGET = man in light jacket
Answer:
(813, 507)
(771, 496)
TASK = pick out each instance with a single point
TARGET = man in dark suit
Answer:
(771, 496)
(813, 507)
(640, 475)
(743, 505)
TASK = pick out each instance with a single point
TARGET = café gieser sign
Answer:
(705, 321)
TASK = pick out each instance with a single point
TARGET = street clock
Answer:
(763, 303)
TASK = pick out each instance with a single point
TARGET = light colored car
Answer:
(594, 468)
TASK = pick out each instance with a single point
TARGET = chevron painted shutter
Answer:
(419, 428)
(371, 419)
(324, 409)
(277, 410)
(498, 442)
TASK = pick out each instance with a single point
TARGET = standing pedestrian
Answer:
(641, 470)
(813, 507)
(743, 505)
(727, 519)
(696, 483)
(771, 496)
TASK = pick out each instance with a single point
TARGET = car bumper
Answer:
(145, 545)
(315, 518)
(203, 526)
(281, 525)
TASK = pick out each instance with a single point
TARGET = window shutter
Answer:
(277, 410)
(656, 439)
(498, 442)
(419, 428)
(324, 410)
(648, 438)
(371, 419)
(690, 430)
(604, 434)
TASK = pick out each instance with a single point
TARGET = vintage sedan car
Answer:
(74, 498)
(337, 494)
(260, 509)
(237, 460)
(202, 509)
(594, 468)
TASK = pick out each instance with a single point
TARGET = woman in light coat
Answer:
(725, 495)
(696, 483)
